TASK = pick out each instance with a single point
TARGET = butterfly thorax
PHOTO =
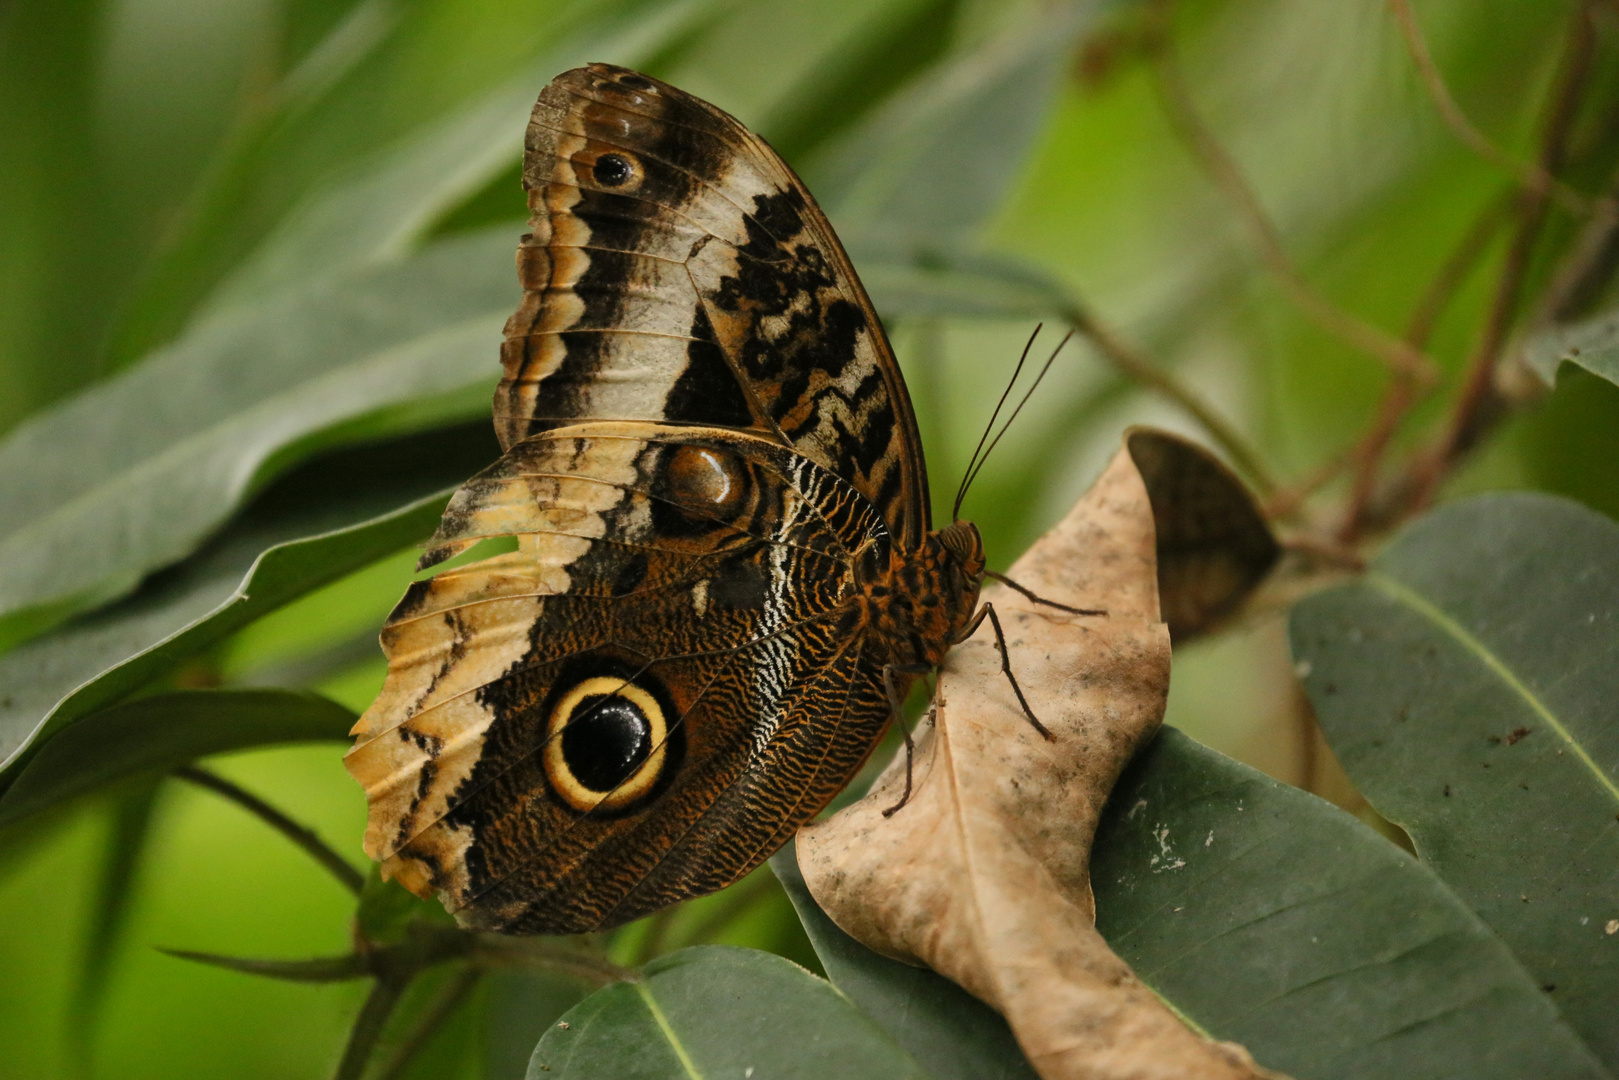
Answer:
(916, 606)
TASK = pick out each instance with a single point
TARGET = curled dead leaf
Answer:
(1213, 544)
(985, 874)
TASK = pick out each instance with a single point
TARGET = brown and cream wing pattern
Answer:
(678, 271)
(698, 576)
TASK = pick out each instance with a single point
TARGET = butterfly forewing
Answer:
(679, 271)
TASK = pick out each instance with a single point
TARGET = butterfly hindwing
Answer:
(695, 575)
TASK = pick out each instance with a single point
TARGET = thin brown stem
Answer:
(1532, 177)
(443, 1006)
(379, 1006)
(1138, 366)
(495, 950)
(1588, 261)
(339, 867)
(1402, 394)
(1480, 405)
(1397, 355)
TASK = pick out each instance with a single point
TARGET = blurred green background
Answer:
(150, 144)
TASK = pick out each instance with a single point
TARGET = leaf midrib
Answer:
(1414, 600)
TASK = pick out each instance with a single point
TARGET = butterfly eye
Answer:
(613, 170)
(605, 744)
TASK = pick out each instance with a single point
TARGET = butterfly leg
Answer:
(1010, 584)
(897, 705)
(1006, 660)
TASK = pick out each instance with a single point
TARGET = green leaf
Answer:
(133, 813)
(1592, 344)
(133, 474)
(713, 1011)
(520, 1005)
(387, 909)
(1468, 685)
(157, 733)
(952, 1034)
(1262, 915)
(961, 285)
(1269, 917)
(388, 207)
(320, 969)
(932, 163)
(338, 515)
(403, 110)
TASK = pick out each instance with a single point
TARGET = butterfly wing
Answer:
(678, 271)
(639, 704)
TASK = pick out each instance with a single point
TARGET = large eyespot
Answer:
(613, 170)
(704, 482)
(605, 743)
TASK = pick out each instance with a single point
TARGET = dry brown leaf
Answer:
(984, 874)
(1214, 545)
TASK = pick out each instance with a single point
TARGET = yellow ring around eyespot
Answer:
(640, 781)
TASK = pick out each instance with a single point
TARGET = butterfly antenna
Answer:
(967, 482)
(966, 476)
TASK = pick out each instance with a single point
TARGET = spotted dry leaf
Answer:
(984, 874)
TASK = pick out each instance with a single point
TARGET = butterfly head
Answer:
(966, 548)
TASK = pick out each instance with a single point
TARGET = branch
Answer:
(494, 950)
(1399, 356)
(1402, 394)
(1533, 178)
(1137, 365)
(339, 867)
(1588, 261)
(1480, 404)
(368, 1026)
(442, 1008)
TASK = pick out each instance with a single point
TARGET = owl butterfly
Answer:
(725, 576)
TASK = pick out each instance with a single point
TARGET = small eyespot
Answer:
(613, 170)
(605, 744)
(635, 82)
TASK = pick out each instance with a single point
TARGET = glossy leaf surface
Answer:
(713, 1011)
(157, 733)
(336, 516)
(1272, 918)
(1468, 686)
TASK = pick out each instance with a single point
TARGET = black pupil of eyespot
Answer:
(611, 170)
(606, 740)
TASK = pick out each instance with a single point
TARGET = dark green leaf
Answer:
(520, 1005)
(155, 734)
(394, 200)
(1271, 918)
(716, 1010)
(929, 166)
(313, 528)
(133, 474)
(952, 285)
(395, 119)
(1592, 344)
(319, 969)
(124, 849)
(952, 1034)
(387, 909)
(1468, 686)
